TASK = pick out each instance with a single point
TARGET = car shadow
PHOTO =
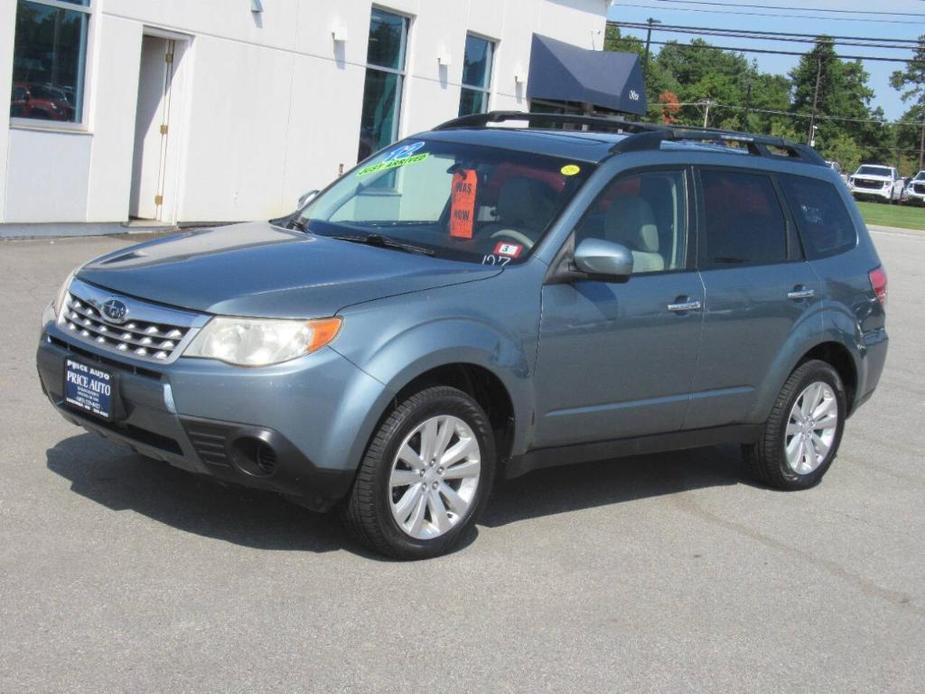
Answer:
(587, 485)
(120, 480)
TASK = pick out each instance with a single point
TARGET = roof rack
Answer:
(597, 123)
(648, 136)
(757, 145)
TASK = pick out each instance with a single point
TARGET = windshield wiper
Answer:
(381, 241)
(299, 225)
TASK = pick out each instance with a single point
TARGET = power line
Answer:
(913, 43)
(800, 9)
(770, 14)
(771, 51)
(769, 36)
(661, 106)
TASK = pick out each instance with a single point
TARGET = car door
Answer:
(617, 359)
(759, 291)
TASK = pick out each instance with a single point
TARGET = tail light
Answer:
(878, 284)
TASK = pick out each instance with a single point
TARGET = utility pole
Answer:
(922, 138)
(812, 121)
(645, 60)
(706, 114)
(748, 105)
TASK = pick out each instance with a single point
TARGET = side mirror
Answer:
(603, 260)
(305, 199)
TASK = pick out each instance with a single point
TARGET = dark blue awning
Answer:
(562, 72)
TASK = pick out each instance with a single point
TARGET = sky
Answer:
(811, 20)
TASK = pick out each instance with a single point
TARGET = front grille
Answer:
(861, 183)
(919, 188)
(141, 338)
(149, 332)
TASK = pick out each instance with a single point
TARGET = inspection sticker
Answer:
(569, 170)
(509, 250)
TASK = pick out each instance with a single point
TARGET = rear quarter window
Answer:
(822, 219)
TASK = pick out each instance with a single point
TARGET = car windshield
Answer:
(920, 176)
(874, 171)
(450, 200)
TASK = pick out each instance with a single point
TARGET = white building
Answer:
(194, 110)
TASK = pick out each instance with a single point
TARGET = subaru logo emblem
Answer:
(114, 311)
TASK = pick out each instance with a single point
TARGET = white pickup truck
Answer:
(876, 182)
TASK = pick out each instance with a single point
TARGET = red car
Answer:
(40, 101)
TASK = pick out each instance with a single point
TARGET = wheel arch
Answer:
(480, 383)
(839, 358)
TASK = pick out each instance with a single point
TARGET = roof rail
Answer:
(480, 120)
(648, 136)
(758, 145)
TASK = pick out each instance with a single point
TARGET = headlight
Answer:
(60, 297)
(260, 341)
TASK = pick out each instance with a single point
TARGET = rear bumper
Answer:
(873, 358)
(179, 414)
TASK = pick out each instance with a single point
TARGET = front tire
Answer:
(425, 477)
(803, 432)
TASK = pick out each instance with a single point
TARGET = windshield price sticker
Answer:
(569, 170)
(400, 156)
(508, 250)
(462, 204)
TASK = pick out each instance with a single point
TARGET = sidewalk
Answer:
(56, 230)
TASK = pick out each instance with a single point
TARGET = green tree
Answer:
(838, 92)
(910, 82)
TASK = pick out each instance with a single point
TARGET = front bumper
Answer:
(877, 193)
(290, 429)
(913, 198)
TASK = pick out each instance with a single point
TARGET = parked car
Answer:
(522, 297)
(836, 167)
(40, 101)
(876, 182)
(914, 191)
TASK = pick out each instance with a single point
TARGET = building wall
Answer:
(266, 105)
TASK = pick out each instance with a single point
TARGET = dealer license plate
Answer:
(88, 388)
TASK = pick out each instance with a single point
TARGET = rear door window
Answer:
(743, 220)
(820, 214)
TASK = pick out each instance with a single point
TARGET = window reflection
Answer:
(48, 61)
(388, 37)
(476, 77)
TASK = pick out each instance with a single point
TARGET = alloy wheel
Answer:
(434, 477)
(811, 428)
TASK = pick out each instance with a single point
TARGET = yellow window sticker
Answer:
(569, 170)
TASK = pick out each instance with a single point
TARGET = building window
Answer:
(385, 74)
(49, 60)
(476, 77)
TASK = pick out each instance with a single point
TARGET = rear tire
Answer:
(425, 477)
(803, 432)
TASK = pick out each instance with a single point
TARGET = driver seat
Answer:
(524, 205)
(631, 222)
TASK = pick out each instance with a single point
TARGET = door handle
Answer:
(684, 304)
(800, 292)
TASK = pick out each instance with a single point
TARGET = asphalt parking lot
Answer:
(666, 573)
